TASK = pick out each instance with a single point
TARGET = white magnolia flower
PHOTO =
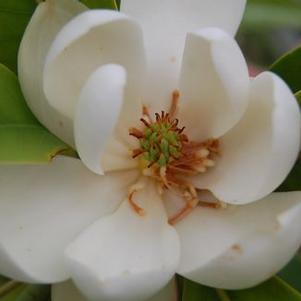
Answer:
(195, 200)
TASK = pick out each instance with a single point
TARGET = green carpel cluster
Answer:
(160, 144)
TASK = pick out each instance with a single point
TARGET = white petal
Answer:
(126, 256)
(105, 104)
(48, 19)
(241, 246)
(214, 84)
(260, 151)
(66, 291)
(94, 38)
(165, 25)
(44, 207)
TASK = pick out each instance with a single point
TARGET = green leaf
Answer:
(28, 292)
(107, 4)
(23, 139)
(196, 292)
(298, 96)
(14, 17)
(271, 290)
(292, 273)
(293, 180)
(13, 294)
(271, 14)
(34, 293)
(289, 68)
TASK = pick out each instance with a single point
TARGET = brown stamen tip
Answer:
(158, 118)
(146, 113)
(145, 122)
(181, 131)
(136, 133)
(137, 152)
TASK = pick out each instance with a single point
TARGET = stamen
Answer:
(136, 133)
(183, 212)
(134, 189)
(146, 113)
(168, 156)
(137, 152)
(145, 122)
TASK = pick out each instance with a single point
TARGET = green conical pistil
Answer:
(153, 138)
(146, 157)
(148, 132)
(153, 153)
(144, 144)
(164, 147)
(160, 143)
(174, 152)
(172, 138)
(155, 127)
(162, 161)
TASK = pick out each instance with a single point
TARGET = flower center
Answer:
(167, 155)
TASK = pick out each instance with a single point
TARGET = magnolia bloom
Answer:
(179, 150)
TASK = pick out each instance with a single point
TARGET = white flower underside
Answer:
(94, 73)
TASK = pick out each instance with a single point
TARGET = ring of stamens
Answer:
(167, 155)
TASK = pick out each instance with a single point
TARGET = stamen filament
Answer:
(169, 157)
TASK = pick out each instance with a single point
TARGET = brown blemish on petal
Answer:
(237, 248)
(173, 59)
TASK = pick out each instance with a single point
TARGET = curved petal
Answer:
(214, 84)
(88, 41)
(240, 246)
(67, 291)
(103, 98)
(44, 207)
(165, 25)
(260, 151)
(126, 256)
(48, 19)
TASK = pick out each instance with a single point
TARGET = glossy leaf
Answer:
(196, 292)
(289, 68)
(292, 273)
(13, 294)
(298, 96)
(271, 290)
(28, 292)
(14, 17)
(293, 180)
(107, 4)
(270, 14)
(22, 138)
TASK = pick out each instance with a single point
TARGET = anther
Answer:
(136, 133)
(137, 152)
(145, 122)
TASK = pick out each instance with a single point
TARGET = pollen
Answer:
(167, 155)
